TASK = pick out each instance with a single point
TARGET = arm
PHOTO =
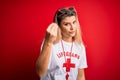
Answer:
(81, 75)
(43, 59)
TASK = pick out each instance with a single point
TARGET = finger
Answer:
(50, 27)
(54, 30)
(55, 27)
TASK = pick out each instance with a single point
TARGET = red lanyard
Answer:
(67, 63)
(64, 50)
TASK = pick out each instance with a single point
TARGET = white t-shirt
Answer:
(56, 70)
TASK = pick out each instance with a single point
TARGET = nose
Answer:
(71, 27)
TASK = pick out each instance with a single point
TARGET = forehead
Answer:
(69, 19)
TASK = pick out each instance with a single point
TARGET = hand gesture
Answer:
(51, 32)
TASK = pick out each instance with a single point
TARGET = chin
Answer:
(72, 35)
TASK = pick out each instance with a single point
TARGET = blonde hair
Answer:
(77, 38)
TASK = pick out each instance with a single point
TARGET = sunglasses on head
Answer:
(64, 10)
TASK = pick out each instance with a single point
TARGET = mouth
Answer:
(72, 32)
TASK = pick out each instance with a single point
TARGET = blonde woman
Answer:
(63, 55)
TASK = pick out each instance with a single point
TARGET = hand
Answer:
(51, 32)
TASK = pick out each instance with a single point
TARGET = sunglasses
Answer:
(64, 10)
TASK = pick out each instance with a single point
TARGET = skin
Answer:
(81, 75)
(68, 29)
(43, 59)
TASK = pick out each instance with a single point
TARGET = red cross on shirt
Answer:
(68, 65)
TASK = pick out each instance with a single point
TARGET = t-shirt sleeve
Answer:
(50, 55)
(83, 60)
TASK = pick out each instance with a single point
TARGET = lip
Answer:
(72, 32)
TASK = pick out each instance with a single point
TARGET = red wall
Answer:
(22, 28)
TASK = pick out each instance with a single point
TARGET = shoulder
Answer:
(80, 46)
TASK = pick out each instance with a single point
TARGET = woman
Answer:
(62, 55)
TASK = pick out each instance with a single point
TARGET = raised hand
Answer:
(51, 32)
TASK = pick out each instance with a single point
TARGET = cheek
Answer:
(64, 29)
(75, 28)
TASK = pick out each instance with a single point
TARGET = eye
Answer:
(74, 22)
(66, 24)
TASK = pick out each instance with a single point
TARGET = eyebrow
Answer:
(74, 20)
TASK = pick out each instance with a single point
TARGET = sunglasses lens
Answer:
(71, 9)
(63, 10)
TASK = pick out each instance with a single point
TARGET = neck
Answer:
(70, 39)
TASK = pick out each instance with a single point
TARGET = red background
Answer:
(22, 28)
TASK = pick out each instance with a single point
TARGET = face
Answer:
(68, 26)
